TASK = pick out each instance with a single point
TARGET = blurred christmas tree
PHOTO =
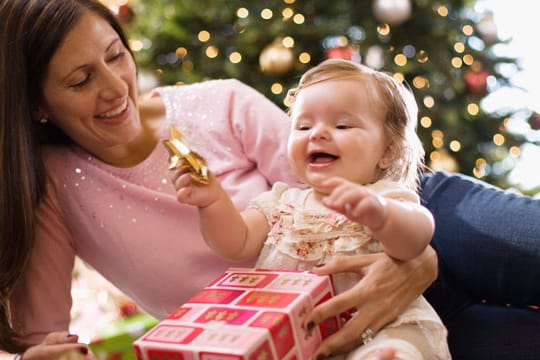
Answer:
(442, 48)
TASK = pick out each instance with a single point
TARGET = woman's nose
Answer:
(113, 86)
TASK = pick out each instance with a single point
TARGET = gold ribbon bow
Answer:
(181, 155)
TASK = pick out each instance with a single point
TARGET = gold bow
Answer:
(181, 155)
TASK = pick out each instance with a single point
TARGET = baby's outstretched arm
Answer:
(404, 228)
(232, 234)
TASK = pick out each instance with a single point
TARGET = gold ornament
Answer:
(180, 155)
(276, 59)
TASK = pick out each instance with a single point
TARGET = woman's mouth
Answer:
(115, 112)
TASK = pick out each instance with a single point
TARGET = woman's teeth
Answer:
(116, 112)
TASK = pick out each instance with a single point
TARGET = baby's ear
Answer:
(388, 156)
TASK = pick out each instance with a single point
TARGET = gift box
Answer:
(115, 342)
(243, 314)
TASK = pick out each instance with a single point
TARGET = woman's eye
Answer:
(116, 56)
(82, 83)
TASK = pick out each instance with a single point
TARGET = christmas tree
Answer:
(442, 49)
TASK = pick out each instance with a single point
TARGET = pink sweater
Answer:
(126, 222)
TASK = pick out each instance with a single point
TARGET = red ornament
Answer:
(476, 82)
(534, 121)
(125, 14)
(343, 52)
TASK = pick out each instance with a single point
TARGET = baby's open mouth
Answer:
(321, 158)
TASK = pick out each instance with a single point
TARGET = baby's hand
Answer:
(357, 202)
(189, 190)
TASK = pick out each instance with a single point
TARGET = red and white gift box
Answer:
(244, 314)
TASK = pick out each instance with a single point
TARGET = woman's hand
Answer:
(387, 287)
(57, 345)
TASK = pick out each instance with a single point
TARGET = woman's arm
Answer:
(387, 288)
(41, 301)
(263, 129)
(487, 239)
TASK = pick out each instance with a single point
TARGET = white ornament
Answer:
(488, 29)
(375, 57)
(392, 12)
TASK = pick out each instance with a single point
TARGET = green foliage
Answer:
(429, 39)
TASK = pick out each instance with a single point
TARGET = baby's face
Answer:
(337, 130)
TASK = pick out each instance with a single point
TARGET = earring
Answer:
(43, 120)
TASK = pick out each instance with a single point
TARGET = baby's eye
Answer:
(302, 127)
(342, 126)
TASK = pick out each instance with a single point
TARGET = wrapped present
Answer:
(243, 314)
(115, 342)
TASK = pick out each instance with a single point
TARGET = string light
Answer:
(304, 58)
(473, 109)
(276, 88)
(242, 13)
(425, 122)
(400, 60)
(235, 57)
(203, 36)
(456, 62)
(442, 11)
(429, 101)
(468, 59)
(287, 13)
(212, 52)
(299, 19)
(459, 47)
(267, 14)
(455, 145)
(498, 139)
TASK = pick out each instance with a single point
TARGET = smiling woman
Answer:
(93, 180)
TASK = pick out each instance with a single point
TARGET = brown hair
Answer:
(30, 33)
(401, 113)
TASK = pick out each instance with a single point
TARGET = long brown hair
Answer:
(30, 33)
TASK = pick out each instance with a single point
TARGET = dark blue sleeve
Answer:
(487, 239)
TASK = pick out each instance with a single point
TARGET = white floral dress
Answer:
(303, 236)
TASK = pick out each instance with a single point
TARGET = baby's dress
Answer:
(301, 237)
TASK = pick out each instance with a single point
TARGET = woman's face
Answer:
(90, 88)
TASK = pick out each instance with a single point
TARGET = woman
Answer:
(87, 176)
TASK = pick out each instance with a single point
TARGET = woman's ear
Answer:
(40, 116)
(388, 156)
